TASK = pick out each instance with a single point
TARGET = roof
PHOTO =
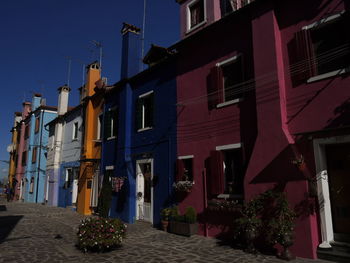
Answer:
(129, 28)
(70, 110)
(156, 54)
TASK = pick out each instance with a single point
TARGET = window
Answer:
(99, 127)
(37, 123)
(144, 111)
(184, 168)
(320, 50)
(111, 123)
(34, 154)
(31, 186)
(226, 173)
(24, 158)
(26, 131)
(195, 13)
(75, 130)
(226, 86)
(228, 6)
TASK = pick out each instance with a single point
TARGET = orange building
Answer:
(12, 149)
(92, 99)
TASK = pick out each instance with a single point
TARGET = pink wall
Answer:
(21, 147)
(268, 118)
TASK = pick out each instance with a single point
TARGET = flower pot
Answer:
(182, 228)
(250, 235)
(165, 224)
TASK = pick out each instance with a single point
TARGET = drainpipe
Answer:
(41, 137)
(205, 199)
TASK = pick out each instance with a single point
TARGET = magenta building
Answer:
(263, 102)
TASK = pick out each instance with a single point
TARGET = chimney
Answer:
(36, 103)
(93, 75)
(63, 94)
(130, 51)
(26, 109)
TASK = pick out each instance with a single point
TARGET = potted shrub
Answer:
(186, 224)
(165, 215)
(100, 234)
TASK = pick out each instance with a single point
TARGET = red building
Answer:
(263, 102)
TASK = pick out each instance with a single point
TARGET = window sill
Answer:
(97, 141)
(111, 138)
(328, 75)
(230, 102)
(229, 196)
(74, 140)
(144, 129)
(189, 30)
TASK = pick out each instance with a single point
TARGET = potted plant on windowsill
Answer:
(183, 186)
(186, 224)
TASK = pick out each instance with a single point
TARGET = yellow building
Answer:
(13, 151)
(92, 99)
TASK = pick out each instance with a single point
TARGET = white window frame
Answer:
(75, 131)
(188, 12)
(224, 63)
(143, 127)
(99, 125)
(226, 147)
(112, 137)
(333, 73)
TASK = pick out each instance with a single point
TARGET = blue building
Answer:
(139, 146)
(36, 186)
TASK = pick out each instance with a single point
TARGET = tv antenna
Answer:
(99, 46)
(143, 33)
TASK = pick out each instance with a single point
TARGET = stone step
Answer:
(340, 252)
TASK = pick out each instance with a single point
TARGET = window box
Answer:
(183, 228)
(183, 186)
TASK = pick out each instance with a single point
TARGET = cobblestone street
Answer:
(28, 231)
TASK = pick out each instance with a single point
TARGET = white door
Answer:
(144, 190)
(75, 186)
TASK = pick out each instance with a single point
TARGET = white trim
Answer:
(110, 138)
(188, 16)
(228, 61)
(99, 125)
(49, 111)
(109, 167)
(138, 172)
(146, 94)
(144, 129)
(185, 157)
(324, 20)
(229, 146)
(327, 233)
(230, 102)
(328, 75)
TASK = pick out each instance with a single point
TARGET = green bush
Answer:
(190, 215)
(174, 213)
(100, 234)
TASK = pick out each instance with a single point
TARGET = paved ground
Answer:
(27, 234)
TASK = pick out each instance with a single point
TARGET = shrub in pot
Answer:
(100, 234)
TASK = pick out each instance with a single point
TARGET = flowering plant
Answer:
(100, 234)
(183, 186)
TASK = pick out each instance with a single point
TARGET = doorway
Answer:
(144, 190)
(338, 168)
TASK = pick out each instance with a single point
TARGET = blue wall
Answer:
(39, 139)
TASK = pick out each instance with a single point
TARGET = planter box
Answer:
(184, 229)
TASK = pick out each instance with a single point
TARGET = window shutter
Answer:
(107, 125)
(215, 87)
(216, 179)
(138, 114)
(179, 170)
(151, 109)
(115, 121)
(302, 64)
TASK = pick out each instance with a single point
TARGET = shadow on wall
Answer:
(7, 224)
(341, 116)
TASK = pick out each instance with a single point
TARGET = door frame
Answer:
(139, 171)
(319, 145)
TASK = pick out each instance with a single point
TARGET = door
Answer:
(144, 190)
(338, 167)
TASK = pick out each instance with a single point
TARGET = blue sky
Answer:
(37, 36)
